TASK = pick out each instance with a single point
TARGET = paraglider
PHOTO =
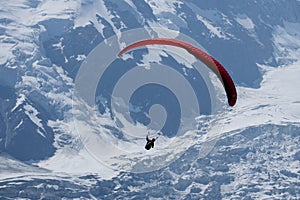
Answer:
(207, 59)
(150, 142)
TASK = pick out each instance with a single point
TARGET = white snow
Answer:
(275, 102)
(88, 12)
(80, 57)
(10, 167)
(159, 7)
(215, 31)
(75, 158)
(19, 101)
(277, 99)
(6, 52)
(63, 9)
(20, 123)
(249, 25)
(245, 21)
(72, 162)
(155, 52)
(20, 32)
(287, 42)
(32, 113)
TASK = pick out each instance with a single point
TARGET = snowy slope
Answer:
(55, 145)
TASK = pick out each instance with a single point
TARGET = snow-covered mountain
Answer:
(63, 129)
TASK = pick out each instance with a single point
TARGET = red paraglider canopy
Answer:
(207, 59)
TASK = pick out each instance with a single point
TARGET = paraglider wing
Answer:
(207, 59)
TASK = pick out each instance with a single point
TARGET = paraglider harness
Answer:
(150, 143)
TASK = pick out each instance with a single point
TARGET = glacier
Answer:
(251, 154)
